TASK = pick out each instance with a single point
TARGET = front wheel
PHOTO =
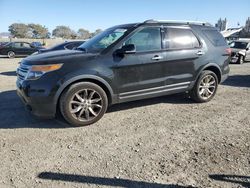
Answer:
(83, 103)
(205, 87)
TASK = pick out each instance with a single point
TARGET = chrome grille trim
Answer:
(22, 71)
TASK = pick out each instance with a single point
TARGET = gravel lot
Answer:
(162, 142)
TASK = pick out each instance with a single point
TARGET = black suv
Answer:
(125, 63)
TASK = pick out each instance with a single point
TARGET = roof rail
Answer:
(178, 22)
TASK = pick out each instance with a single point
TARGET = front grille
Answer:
(22, 71)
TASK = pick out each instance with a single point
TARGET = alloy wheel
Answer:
(207, 87)
(85, 105)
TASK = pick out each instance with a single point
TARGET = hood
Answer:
(59, 56)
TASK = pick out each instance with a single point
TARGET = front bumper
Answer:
(36, 101)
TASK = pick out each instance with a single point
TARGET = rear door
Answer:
(27, 49)
(183, 50)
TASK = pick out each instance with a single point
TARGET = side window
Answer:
(73, 45)
(69, 46)
(180, 38)
(147, 39)
(25, 45)
(17, 45)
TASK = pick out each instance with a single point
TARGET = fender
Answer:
(206, 66)
(80, 77)
(242, 52)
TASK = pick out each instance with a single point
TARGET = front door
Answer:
(142, 69)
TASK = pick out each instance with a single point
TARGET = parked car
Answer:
(125, 63)
(240, 51)
(13, 49)
(69, 45)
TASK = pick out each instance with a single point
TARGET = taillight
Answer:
(228, 51)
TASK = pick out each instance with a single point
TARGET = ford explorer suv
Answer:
(125, 63)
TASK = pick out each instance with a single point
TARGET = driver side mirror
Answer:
(247, 49)
(127, 49)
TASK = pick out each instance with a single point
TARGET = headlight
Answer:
(36, 71)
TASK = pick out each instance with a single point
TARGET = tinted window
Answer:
(215, 37)
(180, 38)
(25, 45)
(73, 45)
(17, 45)
(241, 45)
(147, 39)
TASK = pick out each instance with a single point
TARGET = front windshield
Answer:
(240, 45)
(103, 40)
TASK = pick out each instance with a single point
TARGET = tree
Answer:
(96, 32)
(83, 34)
(19, 30)
(39, 31)
(63, 32)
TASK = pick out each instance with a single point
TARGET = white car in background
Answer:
(240, 51)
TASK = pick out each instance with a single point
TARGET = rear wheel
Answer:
(11, 54)
(205, 87)
(83, 103)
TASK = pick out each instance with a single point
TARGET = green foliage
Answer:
(83, 34)
(19, 30)
(38, 31)
(64, 32)
(96, 32)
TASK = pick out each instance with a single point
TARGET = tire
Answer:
(11, 54)
(240, 59)
(83, 103)
(205, 87)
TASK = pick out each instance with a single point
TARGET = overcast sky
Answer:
(93, 14)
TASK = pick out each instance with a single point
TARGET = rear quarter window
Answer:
(215, 37)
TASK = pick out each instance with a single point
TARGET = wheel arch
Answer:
(86, 78)
(214, 68)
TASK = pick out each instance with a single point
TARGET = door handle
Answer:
(157, 57)
(200, 52)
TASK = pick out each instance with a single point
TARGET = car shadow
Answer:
(244, 181)
(14, 115)
(10, 73)
(180, 98)
(238, 81)
(101, 181)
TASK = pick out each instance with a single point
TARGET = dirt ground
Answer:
(162, 142)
